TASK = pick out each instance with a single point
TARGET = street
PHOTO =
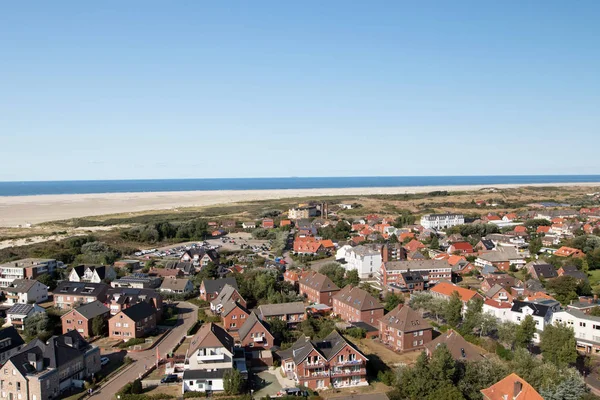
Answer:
(145, 359)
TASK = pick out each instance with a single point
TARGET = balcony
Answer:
(211, 357)
(349, 362)
(349, 372)
(314, 365)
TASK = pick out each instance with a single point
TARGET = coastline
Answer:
(35, 209)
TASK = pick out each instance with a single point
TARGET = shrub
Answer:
(357, 333)
(194, 328)
(136, 387)
(131, 342)
(191, 395)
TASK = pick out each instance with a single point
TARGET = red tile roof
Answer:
(447, 289)
(543, 229)
(414, 245)
(506, 388)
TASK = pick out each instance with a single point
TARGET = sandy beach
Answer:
(21, 210)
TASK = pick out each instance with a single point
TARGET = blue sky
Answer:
(194, 89)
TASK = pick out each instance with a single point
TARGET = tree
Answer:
(37, 325)
(335, 272)
(481, 374)
(99, 326)
(48, 280)
(525, 331)
(136, 387)
(435, 243)
(392, 301)
(487, 324)
(472, 316)
(535, 245)
(507, 333)
(453, 310)
(595, 312)
(558, 345)
(442, 366)
(352, 278)
(564, 288)
(446, 392)
(572, 387)
(233, 382)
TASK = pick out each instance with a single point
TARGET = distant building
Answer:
(89, 273)
(119, 299)
(137, 281)
(442, 221)
(353, 304)
(28, 268)
(17, 314)
(432, 271)
(210, 288)
(365, 260)
(80, 319)
(302, 212)
(176, 286)
(292, 313)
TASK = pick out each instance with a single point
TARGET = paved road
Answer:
(188, 315)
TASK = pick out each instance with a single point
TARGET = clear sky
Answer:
(198, 89)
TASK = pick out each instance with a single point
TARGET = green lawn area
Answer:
(594, 277)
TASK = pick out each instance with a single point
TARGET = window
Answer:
(234, 317)
(582, 324)
(118, 324)
(79, 322)
(420, 333)
(125, 325)
(415, 343)
(18, 386)
(68, 321)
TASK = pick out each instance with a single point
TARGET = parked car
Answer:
(169, 379)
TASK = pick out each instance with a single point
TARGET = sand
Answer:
(22, 210)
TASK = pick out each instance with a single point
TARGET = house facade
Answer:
(93, 274)
(366, 260)
(255, 334)
(353, 304)
(28, 268)
(210, 288)
(442, 221)
(404, 329)
(319, 365)
(80, 319)
(25, 291)
(432, 271)
(318, 288)
(69, 294)
(134, 322)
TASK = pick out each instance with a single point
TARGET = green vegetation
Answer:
(233, 382)
(339, 276)
(131, 342)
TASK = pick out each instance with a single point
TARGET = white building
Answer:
(441, 221)
(88, 273)
(541, 312)
(585, 327)
(210, 355)
(26, 268)
(365, 260)
(18, 313)
(25, 291)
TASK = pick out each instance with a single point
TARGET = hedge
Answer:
(194, 328)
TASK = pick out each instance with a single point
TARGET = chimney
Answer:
(517, 389)
(384, 253)
(35, 360)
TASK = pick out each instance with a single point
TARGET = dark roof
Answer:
(59, 350)
(203, 374)
(232, 305)
(319, 282)
(140, 311)
(365, 326)
(10, 338)
(358, 298)
(250, 322)
(272, 310)
(80, 288)
(457, 345)
(101, 270)
(216, 285)
(539, 310)
(131, 295)
(93, 309)
(545, 270)
(572, 271)
(21, 285)
(20, 309)
(185, 266)
(412, 276)
(328, 347)
(405, 319)
(487, 244)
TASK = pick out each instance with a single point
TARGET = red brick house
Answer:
(80, 319)
(414, 245)
(318, 288)
(268, 223)
(462, 248)
(318, 365)
(234, 316)
(291, 277)
(353, 304)
(134, 322)
(210, 288)
(403, 329)
(254, 334)
(228, 294)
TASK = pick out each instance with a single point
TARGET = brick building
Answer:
(133, 322)
(318, 288)
(321, 364)
(403, 329)
(210, 288)
(69, 294)
(353, 304)
(255, 335)
(234, 315)
(80, 319)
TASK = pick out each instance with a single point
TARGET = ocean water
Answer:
(171, 185)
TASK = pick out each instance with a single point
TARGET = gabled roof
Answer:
(139, 311)
(93, 309)
(494, 290)
(405, 319)
(358, 299)
(249, 324)
(458, 346)
(327, 348)
(543, 270)
(10, 339)
(20, 309)
(216, 285)
(80, 288)
(273, 310)
(22, 285)
(539, 310)
(463, 246)
(319, 282)
(211, 336)
(447, 289)
(225, 295)
(232, 305)
(505, 389)
(174, 283)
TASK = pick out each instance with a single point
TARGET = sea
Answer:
(30, 188)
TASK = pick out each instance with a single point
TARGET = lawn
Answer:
(594, 277)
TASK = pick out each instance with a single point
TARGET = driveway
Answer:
(265, 383)
(188, 315)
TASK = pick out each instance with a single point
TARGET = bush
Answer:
(131, 342)
(503, 353)
(357, 333)
(146, 396)
(387, 378)
(191, 395)
(136, 387)
(194, 328)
